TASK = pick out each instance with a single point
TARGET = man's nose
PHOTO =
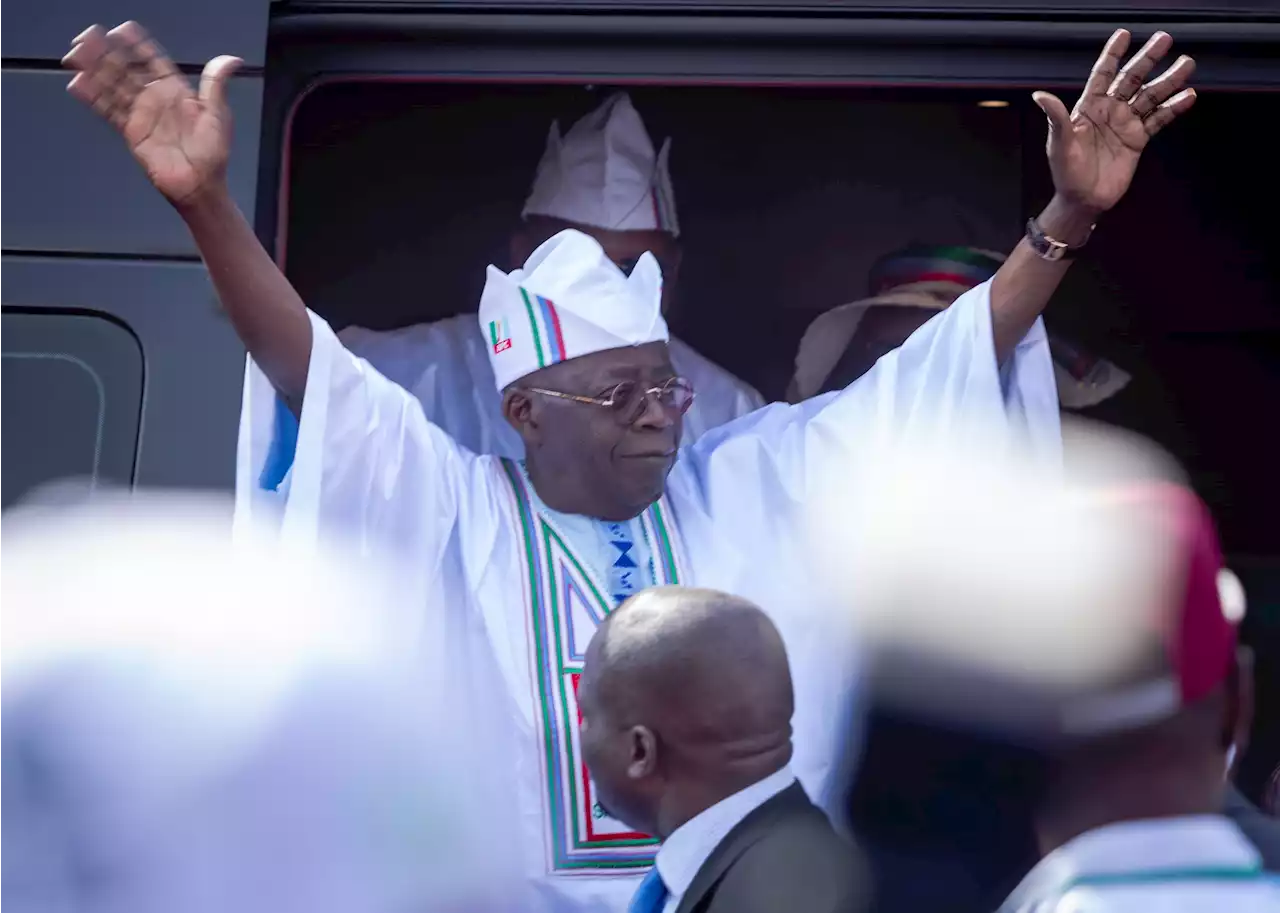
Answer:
(654, 416)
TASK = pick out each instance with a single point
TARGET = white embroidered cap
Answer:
(569, 300)
(604, 173)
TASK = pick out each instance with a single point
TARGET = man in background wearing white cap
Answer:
(604, 179)
(527, 558)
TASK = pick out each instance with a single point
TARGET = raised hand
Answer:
(182, 139)
(1094, 150)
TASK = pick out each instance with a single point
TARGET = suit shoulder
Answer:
(800, 863)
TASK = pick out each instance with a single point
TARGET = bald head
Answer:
(686, 698)
(702, 665)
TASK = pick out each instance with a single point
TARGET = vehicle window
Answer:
(784, 198)
(72, 397)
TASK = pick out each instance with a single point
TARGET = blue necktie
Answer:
(650, 896)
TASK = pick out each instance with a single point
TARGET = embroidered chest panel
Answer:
(565, 601)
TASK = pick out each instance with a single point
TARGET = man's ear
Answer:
(643, 761)
(517, 409)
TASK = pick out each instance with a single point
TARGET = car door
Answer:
(117, 364)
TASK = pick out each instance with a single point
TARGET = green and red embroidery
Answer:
(566, 604)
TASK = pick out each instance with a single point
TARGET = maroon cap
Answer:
(1194, 643)
(1202, 636)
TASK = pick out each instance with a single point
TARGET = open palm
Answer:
(182, 139)
(1094, 150)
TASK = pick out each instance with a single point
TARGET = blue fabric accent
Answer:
(624, 560)
(284, 445)
(625, 578)
(650, 896)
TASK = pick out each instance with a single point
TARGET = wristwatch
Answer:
(1048, 248)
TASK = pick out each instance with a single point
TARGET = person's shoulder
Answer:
(799, 862)
(1256, 895)
(707, 377)
(450, 348)
(460, 326)
(1261, 830)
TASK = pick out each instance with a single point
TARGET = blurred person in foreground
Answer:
(526, 559)
(191, 726)
(602, 177)
(1075, 631)
(1132, 816)
(686, 727)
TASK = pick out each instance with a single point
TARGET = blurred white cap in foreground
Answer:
(194, 725)
(987, 587)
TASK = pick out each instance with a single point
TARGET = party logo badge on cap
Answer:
(498, 335)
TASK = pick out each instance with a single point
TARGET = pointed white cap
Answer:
(604, 173)
(569, 300)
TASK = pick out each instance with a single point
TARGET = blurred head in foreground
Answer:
(1160, 745)
(193, 725)
(1084, 609)
(686, 699)
(987, 585)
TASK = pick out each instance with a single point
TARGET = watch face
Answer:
(1045, 247)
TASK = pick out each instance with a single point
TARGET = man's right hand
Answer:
(182, 139)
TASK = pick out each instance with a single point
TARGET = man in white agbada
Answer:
(525, 558)
(604, 179)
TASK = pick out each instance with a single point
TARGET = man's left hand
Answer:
(1094, 150)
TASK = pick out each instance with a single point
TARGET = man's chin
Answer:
(636, 492)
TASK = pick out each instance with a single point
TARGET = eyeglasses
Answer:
(627, 399)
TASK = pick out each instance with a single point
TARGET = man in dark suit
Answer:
(686, 728)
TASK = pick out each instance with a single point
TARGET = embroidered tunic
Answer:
(518, 588)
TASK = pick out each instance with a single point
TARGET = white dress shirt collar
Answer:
(683, 853)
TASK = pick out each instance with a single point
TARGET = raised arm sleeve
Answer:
(361, 459)
(946, 373)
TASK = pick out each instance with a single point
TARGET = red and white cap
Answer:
(1193, 636)
(992, 592)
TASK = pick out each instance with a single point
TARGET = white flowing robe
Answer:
(487, 560)
(445, 364)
